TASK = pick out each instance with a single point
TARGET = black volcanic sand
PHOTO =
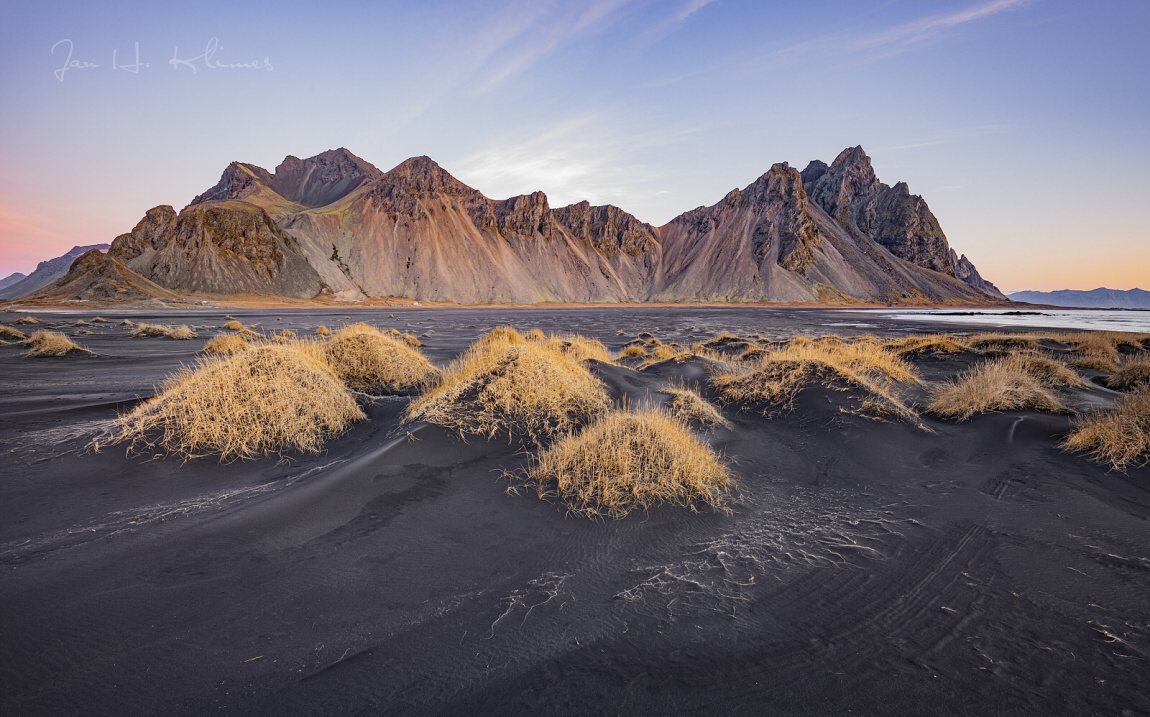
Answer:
(879, 569)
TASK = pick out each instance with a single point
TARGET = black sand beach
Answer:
(877, 568)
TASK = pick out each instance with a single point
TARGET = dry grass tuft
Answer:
(630, 351)
(1049, 372)
(632, 460)
(1134, 375)
(226, 345)
(371, 361)
(1119, 436)
(923, 345)
(688, 406)
(81, 332)
(778, 377)
(81, 322)
(322, 330)
(10, 334)
(146, 330)
(578, 347)
(535, 335)
(264, 400)
(99, 320)
(127, 322)
(1002, 384)
(234, 326)
(1003, 342)
(50, 343)
(28, 320)
(754, 353)
(504, 384)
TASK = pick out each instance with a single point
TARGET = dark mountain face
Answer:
(46, 272)
(849, 192)
(335, 223)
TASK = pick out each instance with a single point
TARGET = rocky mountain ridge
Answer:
(1100, 298)
(336, 224)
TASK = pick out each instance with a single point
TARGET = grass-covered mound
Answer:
(234, 325)
(50, 343)
(1119, 436)
(1134, 375)
(632, 460)
(777, 378)
(371, 361)
(182, 333)
(505, 385)
(686, 404)
(1003, 384)
(7, 333)
(226, 345)
(267, 399)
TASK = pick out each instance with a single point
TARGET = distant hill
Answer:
(1094, 299)
(95, 276)
(11, 279)
(335, 224)
(46, 272)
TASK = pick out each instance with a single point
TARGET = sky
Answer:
(1023, 123)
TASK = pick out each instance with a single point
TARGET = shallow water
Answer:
(1079, 319)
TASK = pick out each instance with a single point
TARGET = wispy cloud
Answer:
(579, 158)
(677, 17)
(488, 50)
(889, 40)
(949, 136)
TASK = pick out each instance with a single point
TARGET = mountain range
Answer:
(336, 225)
(1093, 299)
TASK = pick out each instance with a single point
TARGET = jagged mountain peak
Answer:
(851, 156)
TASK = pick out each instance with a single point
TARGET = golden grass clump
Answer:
(1134, 375)
(27, 320)
(579, 347)
(1119, 436)
(1049, 372)
(535, 335)
(322, 330)
(629, 351)
(264, 400)
(922, 345)
(370, 361)
(127, 322)
(504, 384)
(99, 320)
(686, 404)
(1002, 384)
(226, 345)
(1003, 342)
(148, 330)
(633, 459)
(778, 377)
(10, 334)
(50, 343)
(81, 322)
(753, 353)
(234, 325)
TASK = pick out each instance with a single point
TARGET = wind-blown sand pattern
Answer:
(886, 561)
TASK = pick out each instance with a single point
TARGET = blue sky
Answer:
(1024, 123)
